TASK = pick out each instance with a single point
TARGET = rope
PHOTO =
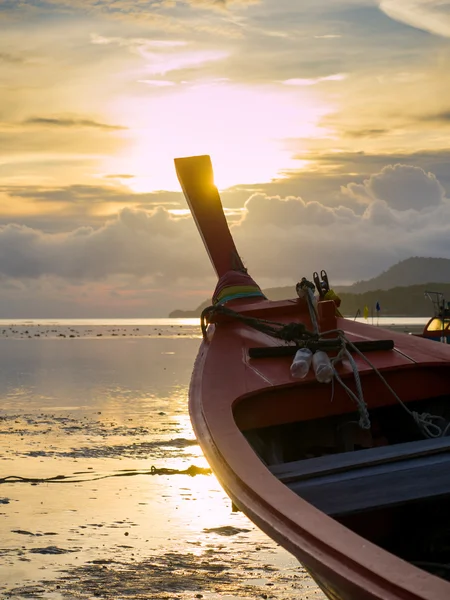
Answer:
(290, 332)
(364, 418)
(426, 422)
(312, 310)
(306, 289)
(192, 471)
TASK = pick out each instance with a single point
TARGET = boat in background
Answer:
(437, 328)
(346, 467)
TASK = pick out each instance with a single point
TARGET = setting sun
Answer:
(245, 130)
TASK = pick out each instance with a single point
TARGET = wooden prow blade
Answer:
(195, 174)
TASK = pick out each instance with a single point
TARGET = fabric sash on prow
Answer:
(233, 285)
(196, 177)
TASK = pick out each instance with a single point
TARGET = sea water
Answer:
(91, 412)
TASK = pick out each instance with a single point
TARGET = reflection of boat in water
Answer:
(437, 327)
(348, 469)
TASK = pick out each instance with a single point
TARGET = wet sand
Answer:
(84, 330)
(101, 420)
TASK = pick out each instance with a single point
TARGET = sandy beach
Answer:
(99, 496)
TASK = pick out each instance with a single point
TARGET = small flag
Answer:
(378, 307)
(366, 312)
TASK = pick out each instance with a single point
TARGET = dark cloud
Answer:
(74, 194)
(147, 9)
(440, 117)
(347, 244)
(75, 206)
(11, 58)
(333, 171)
(71, 122)
(44, 145)
(366, 133)
(405, 213)
(351, 160)
(90, 195)
(136, 243)
(342, 166)
(401, 187)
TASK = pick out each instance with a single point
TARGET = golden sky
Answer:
(325, 120)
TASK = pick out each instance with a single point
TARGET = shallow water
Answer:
(100, 411)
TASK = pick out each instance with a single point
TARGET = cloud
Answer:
(337, 178)
(315, 80)
(366, 133)
(137, 243)
(160, 64)
(89, 195)
(157, 82)
(66, 208)
(152, 244)
(220, 4)
(136, 43)
(144, 9)
(14, 59)
(161, 56)
(379, 214)
(327, 36)
(45, 147)
(44, 140)
(302, 237)
(70, 122)
(439, 117)
(402, 187)
(280, 239)
(429, 15)
(262, 210)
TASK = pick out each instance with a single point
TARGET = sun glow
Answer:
(246, 131)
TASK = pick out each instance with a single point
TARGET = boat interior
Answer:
(389, 484)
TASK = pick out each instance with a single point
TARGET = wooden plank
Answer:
(377, 487)
(195, 174)
(325, 344)
(338, 463)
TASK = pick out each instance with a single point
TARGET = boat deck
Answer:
(342, 484)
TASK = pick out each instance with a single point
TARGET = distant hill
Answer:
(399, 290)
(189, 314)
(408, 301)
(411, 271)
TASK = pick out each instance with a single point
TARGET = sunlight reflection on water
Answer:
(90, 408)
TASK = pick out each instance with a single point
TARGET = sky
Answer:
(327, 122)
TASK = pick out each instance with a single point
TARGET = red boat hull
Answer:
(345, 565)
(231, 394)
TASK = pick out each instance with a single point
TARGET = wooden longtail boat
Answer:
(437, 328)
(352, 476)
